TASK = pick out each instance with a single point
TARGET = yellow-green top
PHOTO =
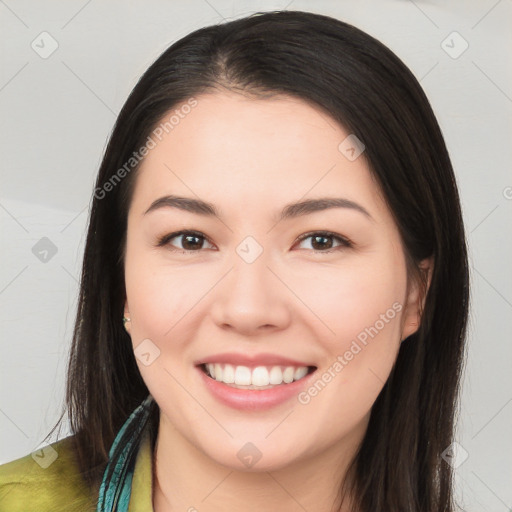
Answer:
(49, 480)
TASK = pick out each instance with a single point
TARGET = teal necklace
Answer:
(116, 486)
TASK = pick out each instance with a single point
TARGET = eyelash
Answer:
(345, 242)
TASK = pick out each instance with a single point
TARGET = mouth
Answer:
(257, 377)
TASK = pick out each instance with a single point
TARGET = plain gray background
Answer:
(57, 110)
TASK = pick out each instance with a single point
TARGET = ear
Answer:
(417, 293)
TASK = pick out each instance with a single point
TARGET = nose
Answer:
(252, 299)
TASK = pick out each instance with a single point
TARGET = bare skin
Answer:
(250, 158)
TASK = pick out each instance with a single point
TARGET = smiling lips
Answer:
(260, 376)
(254, 372)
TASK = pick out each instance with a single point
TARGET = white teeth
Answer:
(260, 376)
(276, 375)
(228, 375)
(300, 372)
(288, 374)
(242, 376)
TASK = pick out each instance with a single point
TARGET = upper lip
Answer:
(264, 359)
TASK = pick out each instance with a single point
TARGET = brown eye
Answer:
(322, 241)
(191, 241)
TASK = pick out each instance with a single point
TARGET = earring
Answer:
(126, 320)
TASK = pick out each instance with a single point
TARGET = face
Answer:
(248, 283)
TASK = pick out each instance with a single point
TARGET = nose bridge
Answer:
(251, 274)
(251, 296)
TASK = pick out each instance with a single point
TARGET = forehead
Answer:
(252, 152)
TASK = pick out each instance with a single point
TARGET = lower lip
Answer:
(254, 399)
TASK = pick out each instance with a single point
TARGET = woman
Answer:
(274, 293)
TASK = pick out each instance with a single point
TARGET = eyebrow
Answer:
(290, 211)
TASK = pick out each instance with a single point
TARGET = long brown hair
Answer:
(365, 87)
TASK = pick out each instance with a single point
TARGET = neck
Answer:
(186, 479)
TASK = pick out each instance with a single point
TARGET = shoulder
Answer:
(45, 480)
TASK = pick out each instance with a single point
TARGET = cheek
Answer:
(358, 309)
(157, 300)
(158, 308)
(159, 292)
(354, 296)
(153, 297)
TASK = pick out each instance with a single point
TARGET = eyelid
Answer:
(164, 240)
(345, 242)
